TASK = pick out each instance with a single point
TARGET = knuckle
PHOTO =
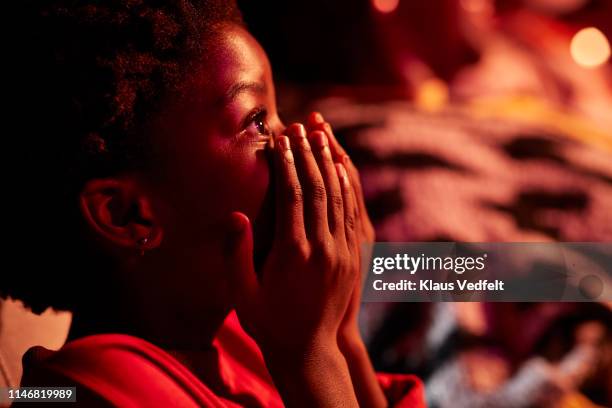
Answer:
(323, 247)
(337, 202)
(344, 261)
(349, 221)
(317, 189)
(295, 195)
(298, 249)
(323, 256)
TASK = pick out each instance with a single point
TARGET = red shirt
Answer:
(125, 371)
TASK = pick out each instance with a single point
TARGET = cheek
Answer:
(222, 178)
(203, 181)
(247, 180)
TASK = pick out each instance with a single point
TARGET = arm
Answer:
(318, 377)
(366, 386)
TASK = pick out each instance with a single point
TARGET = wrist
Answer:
(367, 389)
(301, 357)
(350, 340)
(317, 375)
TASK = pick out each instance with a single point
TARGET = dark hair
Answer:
(91, 76)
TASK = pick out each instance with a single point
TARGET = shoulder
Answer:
(117, 370)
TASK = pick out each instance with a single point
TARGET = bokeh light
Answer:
(385, 6)
(590, 48)
(476, 6)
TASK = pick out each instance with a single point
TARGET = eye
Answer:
(256, 123)
(260, 124)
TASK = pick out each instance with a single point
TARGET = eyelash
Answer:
(258, 117)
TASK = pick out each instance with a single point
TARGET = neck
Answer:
(151, 321)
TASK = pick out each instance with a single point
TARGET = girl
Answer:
(167, 192)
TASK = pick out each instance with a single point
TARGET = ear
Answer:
(120, 213)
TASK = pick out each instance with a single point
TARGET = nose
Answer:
(278, 127)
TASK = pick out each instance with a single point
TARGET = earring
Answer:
(141, 243)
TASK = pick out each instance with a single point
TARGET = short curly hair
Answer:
(92, 75)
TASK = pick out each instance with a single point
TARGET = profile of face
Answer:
(211, 160)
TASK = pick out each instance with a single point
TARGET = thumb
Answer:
(240, 257)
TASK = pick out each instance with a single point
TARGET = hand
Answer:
(349, 331)
(295, 308)
(363, 376)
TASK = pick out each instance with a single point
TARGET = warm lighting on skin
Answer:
(385, 6)
(590, 48)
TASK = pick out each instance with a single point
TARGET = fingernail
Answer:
(300, 130)
(318, 118)
(283, 142)
(296, 130)
(319, 139)
(346, 159)
(305, 144)
(288, 156)
(341, 172)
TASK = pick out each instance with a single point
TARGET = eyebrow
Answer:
(240, 87)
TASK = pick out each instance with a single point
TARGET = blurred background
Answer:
(470, 120)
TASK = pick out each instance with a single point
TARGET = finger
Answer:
(240, 258)
(362, 213)
(289, 195)
(315, 194)
(356, 183)
(335, 203)
(314, 119)
(317, 122)
(354, 244)
(357, 237)
(355, 202)
(349, 205)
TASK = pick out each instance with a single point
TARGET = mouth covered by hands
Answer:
(303, 290)
(320, 223)
(302, 306)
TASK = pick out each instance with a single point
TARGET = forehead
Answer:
(234, 56)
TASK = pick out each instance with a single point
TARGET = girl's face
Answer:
(214, 143)
(212, 161)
